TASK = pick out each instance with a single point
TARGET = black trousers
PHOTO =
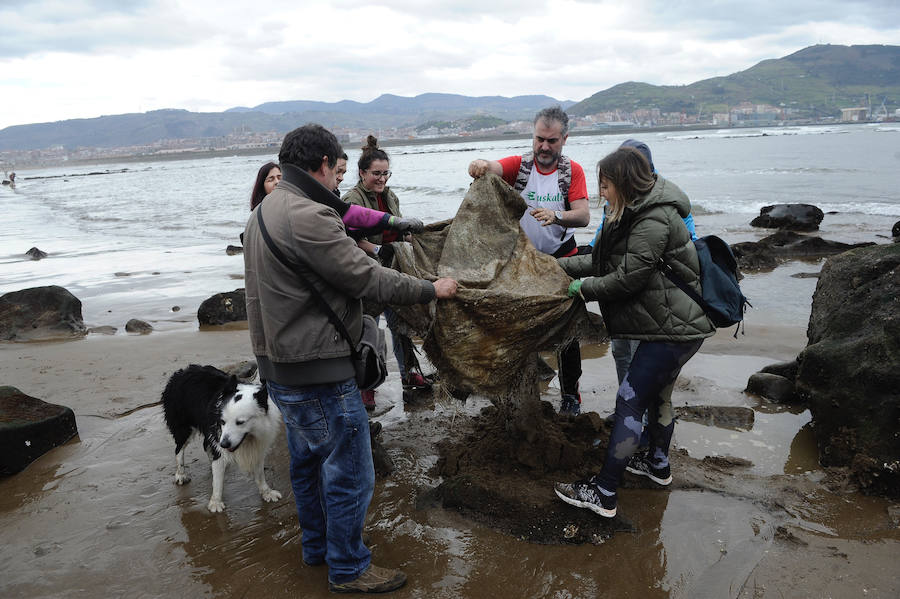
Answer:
(569, 359)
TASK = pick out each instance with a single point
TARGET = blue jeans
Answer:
(331, 472)
(648, 383)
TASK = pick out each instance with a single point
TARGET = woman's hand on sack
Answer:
(445, 288)
(575, 289)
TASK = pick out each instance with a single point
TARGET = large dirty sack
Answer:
(512, 298)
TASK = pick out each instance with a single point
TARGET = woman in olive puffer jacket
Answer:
(643, 226)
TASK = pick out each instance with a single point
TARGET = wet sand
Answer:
(102, 517)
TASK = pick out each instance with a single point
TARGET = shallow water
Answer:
(136, 240)
(101, 515)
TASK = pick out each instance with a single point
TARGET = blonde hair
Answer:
(630, 173)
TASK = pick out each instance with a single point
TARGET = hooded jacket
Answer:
(294, 341)
(636, 299)
(361, 196)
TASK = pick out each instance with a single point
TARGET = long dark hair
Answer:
(259, 190)
(370, 153)
(630, 173)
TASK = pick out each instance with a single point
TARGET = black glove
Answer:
(386, 254)
(407, 225)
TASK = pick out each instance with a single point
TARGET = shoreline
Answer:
(388, 143)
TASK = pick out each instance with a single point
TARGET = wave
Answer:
(735, 206)
(739, 134)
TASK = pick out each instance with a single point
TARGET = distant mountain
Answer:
(385, 111)
(445, 105)
(136, 129)
(818, 80)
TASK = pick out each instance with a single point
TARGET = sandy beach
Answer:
(101, 516)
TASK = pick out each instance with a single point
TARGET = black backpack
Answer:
(722, 299)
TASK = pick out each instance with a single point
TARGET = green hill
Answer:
(816, 81)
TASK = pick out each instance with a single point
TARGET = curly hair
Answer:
(305, 146)
(554, 113)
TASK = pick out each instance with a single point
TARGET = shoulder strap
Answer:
(667, 270)
(564, 176)
(524, 171)
(334, 318)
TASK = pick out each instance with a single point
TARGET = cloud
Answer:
(92, 27)
(103, 56)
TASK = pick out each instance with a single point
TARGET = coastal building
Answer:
(858, 113)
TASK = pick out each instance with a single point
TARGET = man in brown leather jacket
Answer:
(306, 362)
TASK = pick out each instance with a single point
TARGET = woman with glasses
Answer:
(372, 191)
(360, 221)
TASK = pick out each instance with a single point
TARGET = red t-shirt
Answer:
(577, 189)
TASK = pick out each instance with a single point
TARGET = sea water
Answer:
(147, 240)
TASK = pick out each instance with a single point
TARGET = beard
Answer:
(547, 159)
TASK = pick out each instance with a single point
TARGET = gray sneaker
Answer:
(583, 493)
(641, 465)
(373, 580)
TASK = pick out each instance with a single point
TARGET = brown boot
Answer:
(373, 580)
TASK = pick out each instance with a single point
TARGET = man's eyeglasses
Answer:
(380, 174)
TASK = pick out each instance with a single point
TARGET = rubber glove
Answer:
(575, 289)
(406, 225)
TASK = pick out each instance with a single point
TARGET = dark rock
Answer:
(791, 217)
(229, 306)
(104, 330)
(138, 326)
(769, 252)
(895, 231)
(36, 254)
(849, 372)
(233, 250)
(805, 275)
(29, 428)
(773, 387)
(786, 369)
(40, 313)
(733, 417)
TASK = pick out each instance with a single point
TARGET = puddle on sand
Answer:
(101, 517)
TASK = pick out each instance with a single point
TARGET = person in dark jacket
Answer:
(307, 363)
(643, 225)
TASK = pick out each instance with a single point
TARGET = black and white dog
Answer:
(238, 423)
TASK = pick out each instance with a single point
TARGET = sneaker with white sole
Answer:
(585, 494)
(641, 465)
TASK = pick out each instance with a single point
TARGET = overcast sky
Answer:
(62, 59)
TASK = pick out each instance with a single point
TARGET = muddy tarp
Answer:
(512, 298)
